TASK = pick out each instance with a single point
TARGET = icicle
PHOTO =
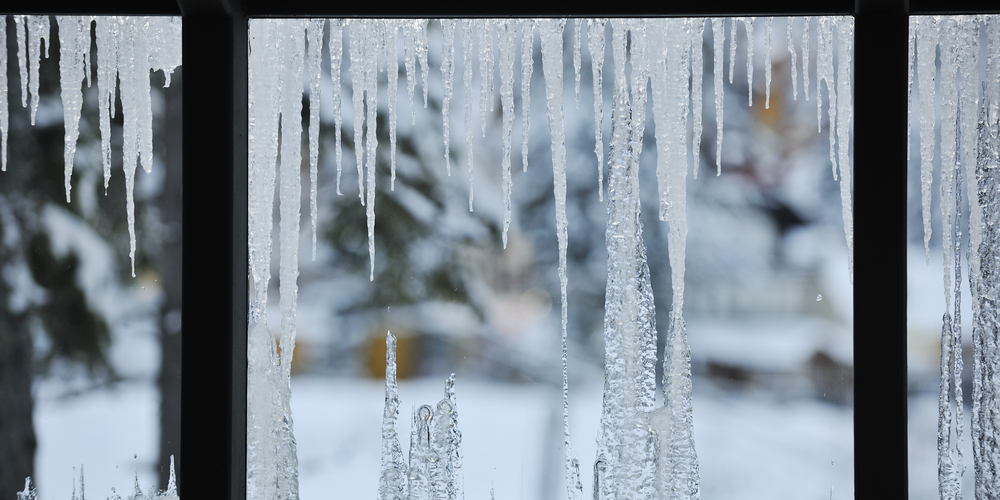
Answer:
(595, 43)
(447, 79)
(577, 43)
(957, 364)
(143, 104)
(911, 54)
(392, 75)
(969, 68)
(38, 34)
(127, 42)
(949, 120)
(507, 32)
(4, 104)
(106, 32)
(336, 46)
(748, 24)
(767, 62)
(314, 30)
(392, 485)
(697, 73)
(926, 48)
(467, 80)
(484, 29)
(357, 50)
(420, 25)
(409, 62)
(263, 120)
(805, 56)
(418, 480)
(22, 61)
(171, 493)
(845, 116)
(732, 47)
(292, 48)
(527, 65)
(791, 51)
(374, 30)
(74, 46)
(824, 73)
(551, 36)
(719, 37)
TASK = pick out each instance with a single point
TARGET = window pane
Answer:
(768, 295)
(89, 353)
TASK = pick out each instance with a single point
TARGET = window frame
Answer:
(215, 271)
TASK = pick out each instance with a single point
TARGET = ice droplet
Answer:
(819, 297)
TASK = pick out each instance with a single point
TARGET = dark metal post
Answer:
(213, 398)
(880, 114)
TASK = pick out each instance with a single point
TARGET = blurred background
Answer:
(89, 355)
(768, 299)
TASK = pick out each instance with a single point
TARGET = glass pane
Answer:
(951, 264)
(768, 299)
(89, 352)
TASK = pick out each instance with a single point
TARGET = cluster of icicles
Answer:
(946, 66)
(128, 49)
(170, 493)
(643, 452)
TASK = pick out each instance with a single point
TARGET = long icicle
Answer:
(551, 31)
(336, 47)
(356, 49)
(373, 38)
(315, 28)
(527, 65)
(926, 51)
(719, 37)
(447, 80)
(392, 75)
(507, 32)
(697, 73)
(467, 80)
(845, 116)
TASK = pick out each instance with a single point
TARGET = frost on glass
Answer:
(644, 451)
(961, 137)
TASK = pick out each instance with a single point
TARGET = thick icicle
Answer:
(927, 38)
(447, 80)
(595, 43)
(805, 56)
(392, 484)
(551, 36)
(357, 50)
(719, 37)
(74, 47)
(392, 75)
(748, 24)
(677, 463)
(910, 56)
(314, 30)
(697, 73)
(949, 130)
(577, 43)
(767, 62)
(791, 51)
(128, 58)
(374, 30)
(507, 32)
(106, 32)
(467, 81)
(527, 65)
(845, 117)
(336, 46)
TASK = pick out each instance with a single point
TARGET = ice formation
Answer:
(644, 452)
(128, 49)
(170, 493)
(948, 64)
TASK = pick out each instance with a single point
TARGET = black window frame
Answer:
(213, 398)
